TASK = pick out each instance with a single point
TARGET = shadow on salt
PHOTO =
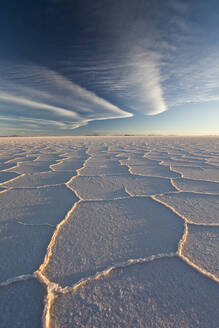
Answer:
(6, 176)
(22, 248)
(27, 220)
(21, 305)
(39, 179)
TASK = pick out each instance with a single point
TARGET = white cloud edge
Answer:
(82, 97)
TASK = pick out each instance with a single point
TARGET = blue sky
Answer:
(109, 67)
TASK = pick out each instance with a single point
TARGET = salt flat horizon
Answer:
(115, 135)
(109, 231)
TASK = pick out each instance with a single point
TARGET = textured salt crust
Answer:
(32, 167)
(22, 159)
(198, 173)
(39, 179)
(71, 164)
(140, 161)
(111, 187)
(163, 293)
(45, 205)
(196, 207)
(157, 171)
(101, 233)
(22, 248)
(107, 152)
(27, 220)
(186, 162)
(184, 184)
(115, 169)
(21, 305)
(99, 187)
(202, 247)
(6, 166)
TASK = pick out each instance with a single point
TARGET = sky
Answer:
(109, 67)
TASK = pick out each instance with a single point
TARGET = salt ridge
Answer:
(53, 288)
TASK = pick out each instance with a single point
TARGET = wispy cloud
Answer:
(128, 68)
(128, 57)
(49, 96)
(9, 98)
(193, 80)
(130, 71)
(145, 80)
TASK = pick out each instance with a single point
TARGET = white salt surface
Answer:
(183, 184)
(164, 293)
(71, 164)
(100, 234)
(199, 173)
(36, 205)
(139, 161)
(31, 167)
(78, 214)
(109, 187)
(114, 168)
(196, 207)
(202, 247)
(154, 170)
(39, 179)
(102, 187)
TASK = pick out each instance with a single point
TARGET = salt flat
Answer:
(114, 186)
(196, 207)
(198, 172)
(100, 234)
(38, 179)
(109, 232)
(21, 304)
(201, 186)
(202, 247)
(163, 293)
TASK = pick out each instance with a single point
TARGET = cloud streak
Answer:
(51, 97)
(11, 99)
(109, 60)
(146, 76)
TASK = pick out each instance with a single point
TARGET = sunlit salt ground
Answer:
(109, 232)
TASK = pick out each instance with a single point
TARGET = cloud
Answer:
(43, 94)
(136, 81)
(28, 122)
(128, 57)
(125, 68)
(119, 53)
(9, 98)
(146, 77)
(193, 81)
(179, 6)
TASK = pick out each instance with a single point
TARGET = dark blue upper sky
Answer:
(107, 66)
